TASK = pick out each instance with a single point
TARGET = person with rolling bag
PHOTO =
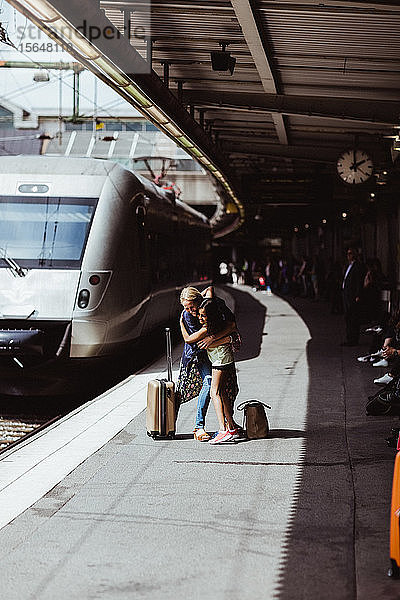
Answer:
(160, 413)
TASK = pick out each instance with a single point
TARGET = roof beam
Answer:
(329, 6)
(251, 31)
(245, 17)
(307, 154)
(355, 109)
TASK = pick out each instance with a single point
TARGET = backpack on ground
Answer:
(386, 401)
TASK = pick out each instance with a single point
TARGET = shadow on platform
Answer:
(250, 322)
(336, 545)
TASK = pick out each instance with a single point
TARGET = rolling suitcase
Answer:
(394, 570)
(160, 414)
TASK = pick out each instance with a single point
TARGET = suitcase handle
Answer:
(169, 352)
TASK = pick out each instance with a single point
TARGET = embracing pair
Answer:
(209, 329)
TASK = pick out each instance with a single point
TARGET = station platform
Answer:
(93, 508)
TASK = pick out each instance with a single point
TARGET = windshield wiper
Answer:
(14, 266)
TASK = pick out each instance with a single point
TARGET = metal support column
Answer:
(166, 73)
(180, 90)
(149, 51)
(201, 117)
(75, 111)
(127, 23)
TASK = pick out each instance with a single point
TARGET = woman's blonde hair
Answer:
(192, 294)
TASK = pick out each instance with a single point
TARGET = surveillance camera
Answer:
(222, 61)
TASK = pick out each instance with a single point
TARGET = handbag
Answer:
(189, 383)
(255, 421)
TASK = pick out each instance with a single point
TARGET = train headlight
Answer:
(83, 298)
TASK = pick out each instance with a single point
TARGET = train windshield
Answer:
(44, 232)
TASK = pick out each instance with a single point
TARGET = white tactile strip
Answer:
(29, 471)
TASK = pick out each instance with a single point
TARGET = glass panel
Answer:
(134, 126)
(113, 126)
(45, 232)
(73, 126)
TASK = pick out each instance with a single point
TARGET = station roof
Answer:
(312, 78)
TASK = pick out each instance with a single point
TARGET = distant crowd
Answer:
(312, 278)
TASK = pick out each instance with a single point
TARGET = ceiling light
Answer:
(157, 114)
(77, 39)
(196, 152)
(137, 95)
(170, 127)
(344, 215)
(41, 8)
(231, 208)
(113, 71)
(185, 142)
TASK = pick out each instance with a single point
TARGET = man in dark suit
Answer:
(352, 286)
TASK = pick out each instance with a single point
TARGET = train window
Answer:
(44, 232)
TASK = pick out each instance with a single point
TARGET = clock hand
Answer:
(360, 162)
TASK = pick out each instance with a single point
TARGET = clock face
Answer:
(354, 166)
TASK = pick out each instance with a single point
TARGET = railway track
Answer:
(16, 430)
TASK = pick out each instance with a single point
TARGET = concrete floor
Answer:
(303, 514)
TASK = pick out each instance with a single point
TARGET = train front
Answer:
(46, 215)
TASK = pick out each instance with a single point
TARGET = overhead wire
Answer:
(34, 86)
(16, 46)
(43, 66)
(53, 77)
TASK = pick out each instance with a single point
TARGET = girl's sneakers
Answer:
(235, 433)
(222, 436)
(225, 436)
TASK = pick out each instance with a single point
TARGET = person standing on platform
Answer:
(352, 287)
(224, 387)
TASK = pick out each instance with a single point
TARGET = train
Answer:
(92, 257)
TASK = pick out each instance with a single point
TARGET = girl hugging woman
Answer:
(224, 388)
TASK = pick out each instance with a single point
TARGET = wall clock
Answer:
(354, 166)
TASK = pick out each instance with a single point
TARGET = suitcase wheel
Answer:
(157, 436)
